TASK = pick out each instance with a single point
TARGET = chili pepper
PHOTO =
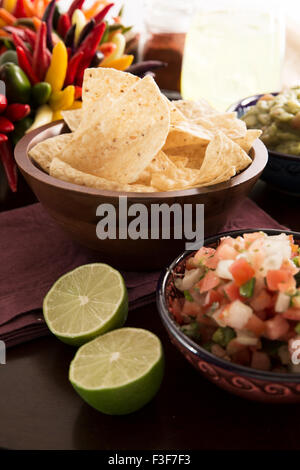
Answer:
(72, 68)
(106, 33)
(57, 71)
(120, 41)
(19, 43)
(9, 56)
(75, 5)
(120, 64)
(70, 36)
(8, 43)
(107, 48)
(60, 100)
(40, 58)
(20, 129)
(97, 59)
(18, 31)
(94, 10)
(86, 31)
(102, 14)
(9, 5)
(36, 22)
(41, 93)
(29, 8)
(19, 11)
(26, 66)
(56, 16)
(6, 125)
(9, 164)
(7, 17)
(48, 19)
(30, 37)
(76, 105)
(78, 92)
(3, 103)
(64, 24)
(17, 111)
(43, 116)
(3, 138)
(79, 20)
(16, 82)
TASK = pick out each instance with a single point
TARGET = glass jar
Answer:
(233, 50)
(166, 24)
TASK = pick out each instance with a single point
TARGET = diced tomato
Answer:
(207, 257)
(292, 314)
(241, 271)
(210, 281)
(256, 325)
(211, 297)
(260, 361)
(190, 264)
(276, 327)
(261, 301)
(190, 309)
(262, 315)
(176, 309)
(251, 237)
(280, 279)
(225, 251)
(232, 291)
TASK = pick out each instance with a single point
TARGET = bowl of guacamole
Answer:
(278, 116)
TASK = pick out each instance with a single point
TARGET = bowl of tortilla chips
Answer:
(130, 146)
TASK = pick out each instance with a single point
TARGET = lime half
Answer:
(119, 372)
(85, 303)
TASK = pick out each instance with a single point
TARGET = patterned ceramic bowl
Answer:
(283, 170)
(240, 380)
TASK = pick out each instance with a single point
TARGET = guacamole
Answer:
(279, 119)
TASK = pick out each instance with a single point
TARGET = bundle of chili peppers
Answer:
(43, 55)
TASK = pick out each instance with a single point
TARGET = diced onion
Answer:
(282, 302)
(237, 315)
(190, 278)
(247, 338)
(223, 269)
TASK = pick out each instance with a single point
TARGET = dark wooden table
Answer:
(40, 410)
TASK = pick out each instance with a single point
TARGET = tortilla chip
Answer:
(179, 160)
(227, 123)
(64, 172)
(120, 140)
(187, 134)
(45, 151)
(72, 118)
(193, 153)
(246, 143)
(195, 109)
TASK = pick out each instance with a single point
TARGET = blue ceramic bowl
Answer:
(282, 171)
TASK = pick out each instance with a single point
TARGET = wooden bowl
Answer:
(74, 207)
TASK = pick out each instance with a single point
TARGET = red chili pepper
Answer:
(18, 31)
(102, 14)
(75, 5)
(72, 68)
(19, 11)
(3, 138)
(41, 57)
(20, 43)
(9, 164)
(3, 103)
(89, 47)
(6, 126)
(30, 37)
(17, 111)
(108, 48)
(63, 25)
(78, 92)
(26, 66)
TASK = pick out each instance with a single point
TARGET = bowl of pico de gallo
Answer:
(233, 310)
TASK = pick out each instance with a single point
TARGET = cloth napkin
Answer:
(35, 252)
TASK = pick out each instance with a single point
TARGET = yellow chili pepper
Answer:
(120, 41)
(64, 99)
(56, 73)
(9, 5)
(120, 64)
(76, 105)
(43, 116)
(56, 116)
(79, 20)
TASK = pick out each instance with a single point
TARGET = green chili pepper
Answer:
(41, 93)
(9, 56)
(296, 261)
(192, 330)
(223, 336)
(297, 328)
(246, 290)
(17, 84)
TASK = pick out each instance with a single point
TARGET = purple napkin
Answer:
(35, 252)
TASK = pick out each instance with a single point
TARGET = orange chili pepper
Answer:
(4, 34)
(7, 17)
(29, 8)
(95, 9)
(36, 22)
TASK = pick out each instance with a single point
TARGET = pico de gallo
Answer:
(241, 301)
